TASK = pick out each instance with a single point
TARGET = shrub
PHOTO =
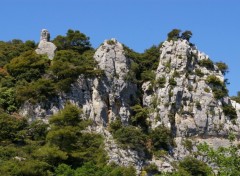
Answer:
(219, 93)
(174, 34)
(215, 81)
(206, 89)
(222, 67)
(172, 82)
(128, 136)
(161, 138)
(186, 35)
(198, 104)
(29, 66)
(206, 63)
(194, 166)
(148, 75)
(199, 73)
(111, 42)
(139, 117)
(176, 74)
(38, 91)
(188, 144)
(161, 82)
(230, 111)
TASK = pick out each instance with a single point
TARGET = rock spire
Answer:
(45, 46)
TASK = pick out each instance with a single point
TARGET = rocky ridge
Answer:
(180, 98)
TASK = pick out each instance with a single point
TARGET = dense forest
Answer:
(64, 146)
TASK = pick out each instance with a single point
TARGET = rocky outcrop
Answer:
(180, 98)
(183, 97)
(102, 99)
(45, 46)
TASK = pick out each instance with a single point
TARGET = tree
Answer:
(195, 167)
(140, 116)
(223, 67)
(67, 136)
(11, 127)
(74, 40)
(161, 138)
(186, 35)
(29, 66)
(174, 34)
(225, 159)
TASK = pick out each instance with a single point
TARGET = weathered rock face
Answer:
(180, 99)
(45, 46)
(102, 99)
(184, 100)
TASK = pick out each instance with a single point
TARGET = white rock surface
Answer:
(187, 106)
(45, 46)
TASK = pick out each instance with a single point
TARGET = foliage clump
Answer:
(206, 63)
(41, 149)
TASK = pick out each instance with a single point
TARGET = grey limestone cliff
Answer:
(180, 98)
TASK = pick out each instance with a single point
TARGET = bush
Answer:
(11, 127)
(172, 82)
(161, 138)
(148, 75)
(186, 35)
(36, 92)
(215, 81)
(29, 66)
(230, 111)
(222, 67)
(206, 63)
(74, 40)
(174, 34)
(199, 73)
(195, 167)
(130, 136)
(161, 82)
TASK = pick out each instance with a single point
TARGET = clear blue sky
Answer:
(137, 23)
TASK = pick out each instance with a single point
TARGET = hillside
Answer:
(70, 109)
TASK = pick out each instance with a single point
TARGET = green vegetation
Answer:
(65, 146)
(172, 82)
(27, 76)
(236, 98)
(161, 82)
(60, 147)
(206, 63)
(226, 159)
(199, 73)
(144, 63)
(222, 67)
(174, 34)
(218, 87)
(74, 40)
(230, 111)
(186, 35)
(194, 166)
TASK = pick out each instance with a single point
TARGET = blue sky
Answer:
(137, 23)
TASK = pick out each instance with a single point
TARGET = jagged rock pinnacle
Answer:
(45, 46)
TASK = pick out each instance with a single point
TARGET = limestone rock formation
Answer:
(102, 99)
(181, 98)
(45, 46)
(185, 99)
